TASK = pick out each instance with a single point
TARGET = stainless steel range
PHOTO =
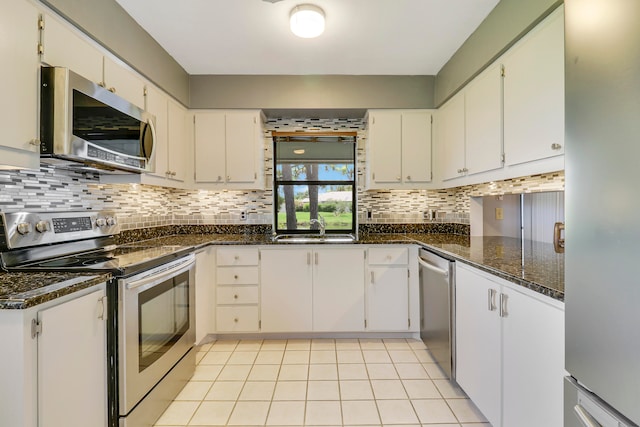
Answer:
(151, 325)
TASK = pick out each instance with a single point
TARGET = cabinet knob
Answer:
(35, 142)
(408, 177)
(173, 173)
(112, 89)
(235, 320)
(228, 177)
(459, 170)
(237, 257)
(398, 178)
(219, 178)
(235, 296)
(235, 276)
(556, 146)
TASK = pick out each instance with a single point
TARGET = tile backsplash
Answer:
(141, 206)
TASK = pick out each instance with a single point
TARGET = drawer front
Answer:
(237, 275)
(237, 319)
(237, 295)
(389, 256)
(237, 256)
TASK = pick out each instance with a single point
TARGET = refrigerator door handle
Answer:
(585, 418)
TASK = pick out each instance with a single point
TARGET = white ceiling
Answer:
(362, 37)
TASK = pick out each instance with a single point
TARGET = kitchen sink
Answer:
(309, 239)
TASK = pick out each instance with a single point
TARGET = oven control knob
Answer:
(42, 226)
(24, 228)
(101, 222)
(111, 221)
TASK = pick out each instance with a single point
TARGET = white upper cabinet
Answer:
(229, 149)
(469, 128)
(449, 136)
(534, 93)
(65, 47)
(399, 149)
(178, 141)
(483, 122)
(19, 84)
(123, 82)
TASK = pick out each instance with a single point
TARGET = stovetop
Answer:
(80, 241)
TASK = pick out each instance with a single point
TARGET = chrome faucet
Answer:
(320, 222)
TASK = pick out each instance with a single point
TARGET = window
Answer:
(314, 182)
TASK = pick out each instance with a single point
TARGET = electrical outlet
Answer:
(243, 215)
(499, 213)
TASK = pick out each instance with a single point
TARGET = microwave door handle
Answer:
(150, 281)
(152, 127)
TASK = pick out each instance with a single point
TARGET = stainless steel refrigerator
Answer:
(602, 233)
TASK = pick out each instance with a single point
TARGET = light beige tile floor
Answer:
(325, 382)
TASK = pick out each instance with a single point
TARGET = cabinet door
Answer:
(533, 362)
(19, 84)
(210, 152)
(72, 363)
(177, 140)
(483, 122)
(286, 290)
(534, 94)
(387, 296)
(385, 147)
(64, 48)
(450, 137)
(123, 82)
(205, 292)
(416, 147)
(478, 342)
(241, 147)
(156, 104)
(338, 290)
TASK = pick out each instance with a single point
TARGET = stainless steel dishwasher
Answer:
(437, 309)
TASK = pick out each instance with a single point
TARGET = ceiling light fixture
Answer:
(307, 21)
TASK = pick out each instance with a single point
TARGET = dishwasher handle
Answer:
(433, 268)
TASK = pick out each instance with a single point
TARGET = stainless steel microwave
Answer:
(80, 121)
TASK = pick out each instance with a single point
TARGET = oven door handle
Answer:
(154, 279)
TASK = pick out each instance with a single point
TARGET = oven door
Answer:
(156, 327)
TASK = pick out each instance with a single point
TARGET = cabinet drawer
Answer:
(389, 256)
(237, 319)
(237, 275)
(238, 256)
(237, 295)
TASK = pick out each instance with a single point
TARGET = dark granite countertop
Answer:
(534, 265)
(24, 290)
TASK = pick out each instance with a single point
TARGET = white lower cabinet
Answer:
(308, 289)
(510, 350)
(57, 377)
(237, 289)
(387, 289)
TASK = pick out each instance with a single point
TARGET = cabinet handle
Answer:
(556, 146)
(35, 142)
(373, 176)
(173, 173)
(235, 320)
(408, 177)
(235, 296)
(316, 258)
(492, 299)
(103, 308)
(237, 257)
(398, 178)
(235, 276)
(459, 170)
(503, 305)
(373, 278)
(308, 258)
(112, 89)
(228, 177)
(219, 178)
